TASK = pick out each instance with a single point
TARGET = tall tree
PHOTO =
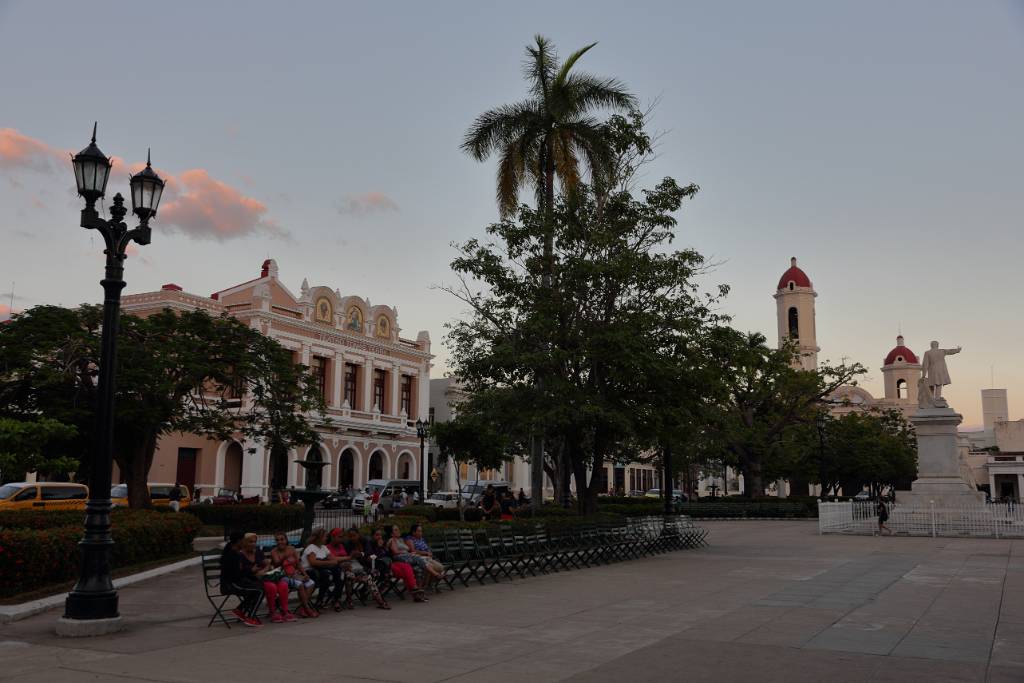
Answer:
(551, 134)
(39, 445)
(186, 372)
(621, 297)
(766, 396)
(471, 438)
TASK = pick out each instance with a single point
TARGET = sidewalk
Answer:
(767, 601)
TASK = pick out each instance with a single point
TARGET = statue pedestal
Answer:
(938, 462)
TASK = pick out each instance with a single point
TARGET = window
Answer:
(318, 368)
(378, 389)
(406, 406)
(430, 417)
(27, 494)
(350, 385)
(794, 323)
(901, 388)
(791, 285)
(63, 492)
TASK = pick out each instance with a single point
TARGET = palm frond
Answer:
(540, 67)
(567, 65)
(567, 165)
(582, 92)
(498, 127)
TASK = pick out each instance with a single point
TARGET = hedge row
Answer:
(749, 509)
(32, 557)
(259, 519)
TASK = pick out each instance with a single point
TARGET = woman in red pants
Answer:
(377, 549)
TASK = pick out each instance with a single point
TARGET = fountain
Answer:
(310, 495)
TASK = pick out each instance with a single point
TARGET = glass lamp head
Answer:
(92, 169)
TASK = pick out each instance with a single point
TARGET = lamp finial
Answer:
(94, 131)
(148, 164)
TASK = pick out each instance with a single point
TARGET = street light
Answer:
(421, 432)
(94, 598)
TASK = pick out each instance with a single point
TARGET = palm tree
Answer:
(551, 132)
(548, 135)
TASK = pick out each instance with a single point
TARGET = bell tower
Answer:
(794, 299)
(901, 371)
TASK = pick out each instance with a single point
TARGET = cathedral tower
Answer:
(901, 370)
(795, 301)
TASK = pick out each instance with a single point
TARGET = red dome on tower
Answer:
(795, 275)
(900, 354)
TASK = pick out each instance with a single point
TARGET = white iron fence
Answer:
(994, 520)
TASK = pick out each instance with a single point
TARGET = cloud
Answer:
(193, 203)
(5, 312)
(368, 202)
(19, 151)
(205, 208)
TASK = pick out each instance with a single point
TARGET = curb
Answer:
(755, 519)
(11, 613)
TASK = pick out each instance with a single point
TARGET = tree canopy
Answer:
(177, 371)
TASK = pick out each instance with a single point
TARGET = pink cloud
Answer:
(22, 151)
(193, 203)
(368, 202)
(203, 207)
(5, 311)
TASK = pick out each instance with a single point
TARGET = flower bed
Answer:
(32, 556)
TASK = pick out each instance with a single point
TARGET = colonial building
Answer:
(375, 383)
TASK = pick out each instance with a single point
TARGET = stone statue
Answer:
(934, 374)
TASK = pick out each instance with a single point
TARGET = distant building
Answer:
(445, 396)
(375, 383)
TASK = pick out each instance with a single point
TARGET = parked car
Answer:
(863, 495)
(474, 490)
(159, 494)
(337, 500)
(443, 499)
(387, 488)
(677, 495)
(232, 497)
(43, 495)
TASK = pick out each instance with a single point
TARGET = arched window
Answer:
(901, 388)
(314, 477)
(794, 323)
(791, 285)
(376, 468)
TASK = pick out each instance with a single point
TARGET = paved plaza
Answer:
(767, 601)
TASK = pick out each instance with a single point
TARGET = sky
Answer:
(880, 143)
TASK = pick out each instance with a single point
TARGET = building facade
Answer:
(375, 384)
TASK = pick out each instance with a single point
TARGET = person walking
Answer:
(174, 497)
(883, 516)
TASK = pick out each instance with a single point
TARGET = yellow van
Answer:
(159, 494)
(43, 495)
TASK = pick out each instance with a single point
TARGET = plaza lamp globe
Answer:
(147, 188)
(92, 169)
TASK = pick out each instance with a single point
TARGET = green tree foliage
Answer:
(34, 446)
(873, 449)
(765, 396)
(187, 372)
(622, 307)
(472, 438)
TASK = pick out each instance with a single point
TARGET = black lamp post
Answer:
(421, 431)
(428, 467)
(94, 597)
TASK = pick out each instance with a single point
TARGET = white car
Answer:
(443, 499)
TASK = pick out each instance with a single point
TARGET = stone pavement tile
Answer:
(1005, 674)
(854, 635)
(945, 644)
(1008, 648)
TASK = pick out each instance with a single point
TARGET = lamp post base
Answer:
(88, 628)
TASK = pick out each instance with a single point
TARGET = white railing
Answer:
(994, 520)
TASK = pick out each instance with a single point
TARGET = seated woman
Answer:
(323, 567)
(286, 558)
(402, 555)
(352, 572)
(434, 570)
(234, 581)
(275, 587)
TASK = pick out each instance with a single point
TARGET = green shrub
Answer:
(472, 514)
(42, 519)
(428, 511)
(258, 519)
(31, 557)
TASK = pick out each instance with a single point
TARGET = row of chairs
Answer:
(511, 551)
(507, 552)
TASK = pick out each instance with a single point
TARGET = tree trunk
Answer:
(135, 469)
